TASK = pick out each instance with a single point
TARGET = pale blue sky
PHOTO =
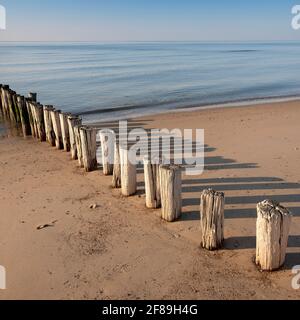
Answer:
(148, 20)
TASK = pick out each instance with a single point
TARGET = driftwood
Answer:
(152, 182)
(212, 219)
(107, 138)
(57, 129)
(88, 147)
(116, 181)
(170, 186)
(63, 117)
(272, 232)
(128, 174)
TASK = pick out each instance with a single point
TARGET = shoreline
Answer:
(225, 105)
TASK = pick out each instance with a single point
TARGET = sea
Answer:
(111, 81)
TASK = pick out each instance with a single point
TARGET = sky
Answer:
(149, 20)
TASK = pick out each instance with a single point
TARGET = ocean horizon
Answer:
(110, 81)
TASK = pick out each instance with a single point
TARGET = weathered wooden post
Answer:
(50, 135)
(32, 96)
(107, 138)
(39, 110)
(72, 122)
(116, 181)
(57, 129)
(4, 90)
(15, 108)
(2, 96)
(30, 101)
(152, 182)
(78, 145)
(1, 108)
(128, 173)
(24, 116)
(88, 147)
(65, 131)
(212, 219)
(12, 114)
(272, 233)
(30, 115)
(170, 186)
(32, 106)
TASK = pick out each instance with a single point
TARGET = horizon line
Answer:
(134, 41)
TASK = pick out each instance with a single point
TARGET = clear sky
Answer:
(148, 20)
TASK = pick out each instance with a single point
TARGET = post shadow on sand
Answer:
(239, 243)
(212, 163)
(222, 184)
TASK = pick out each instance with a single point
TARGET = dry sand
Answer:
(120, 250)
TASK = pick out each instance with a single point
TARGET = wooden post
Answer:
(152, 183)
(57, 129)
(212, 219)
(40, 122)
(72, 122)
(5, 107)
(107, 138)
(31, 119)
(32, 96)
(3, 102)
(24, 116)
(272, 232)
(65, 131)
(15, 108)
(128, 173)
(1, 108)
(12, 114)
(88, 147)
(170, 186)
(32, 106)
(50, 135)
(116, 181)
(78, 145)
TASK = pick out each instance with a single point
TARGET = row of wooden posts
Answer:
(162, 182)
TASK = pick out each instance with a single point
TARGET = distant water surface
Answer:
(109, 81)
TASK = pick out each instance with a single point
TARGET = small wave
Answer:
(127, 107)
(153, 108)
(241, 51)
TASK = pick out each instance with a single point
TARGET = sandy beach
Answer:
(121, 250)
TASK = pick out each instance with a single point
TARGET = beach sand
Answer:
(121, 250)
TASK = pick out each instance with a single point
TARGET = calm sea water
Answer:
(105, 81)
